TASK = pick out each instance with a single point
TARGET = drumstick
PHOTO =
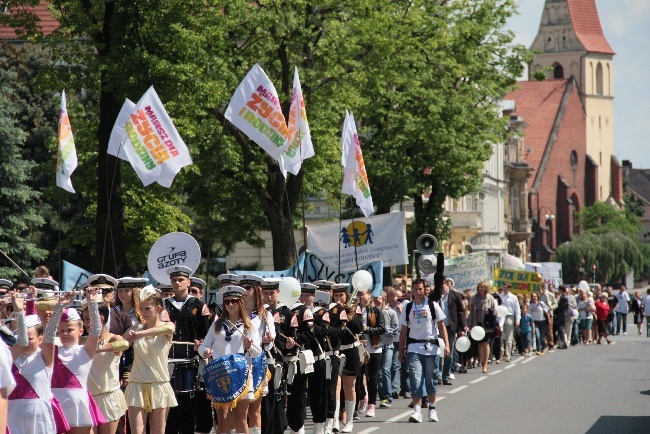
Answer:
(241, 333)
(182, 343)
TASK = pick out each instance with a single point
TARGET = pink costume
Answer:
(32, 407)
(71, 369)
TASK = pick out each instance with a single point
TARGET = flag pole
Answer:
(302, 195)
(59, 244)
(12, 261)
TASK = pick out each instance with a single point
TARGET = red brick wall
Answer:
(617, 180)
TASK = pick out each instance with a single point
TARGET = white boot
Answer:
(329, 423)
(335, 422)
(319, 428)
(255, 430)
(300, 431)
(349, 416)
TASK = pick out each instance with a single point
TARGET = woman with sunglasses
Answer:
(232, 333)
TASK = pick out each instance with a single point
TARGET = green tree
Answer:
(603, 218)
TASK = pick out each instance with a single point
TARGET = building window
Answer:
(558, 71)
(609, 80)
(574, 160)
(591, 76)
(599, 79)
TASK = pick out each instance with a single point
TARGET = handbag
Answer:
(497, 331)
(364, 355)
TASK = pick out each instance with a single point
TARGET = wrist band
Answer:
(95, 321)
(163, 330)
(120, 345)
(21, 329)
(50, 329)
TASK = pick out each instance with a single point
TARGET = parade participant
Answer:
(274, 417)
(483, 313)
(231, 333)
(373, 327)
(422, 327)
(128, 289)
(602, 312)
(185, 311)
(45, 288)
(548, 297)
(391, 322)
(149, 394)
(512, 319)
(166, 291)
(318, 382)
(31, 405)
(7, 384)
(224, 280)
(262, 321)
(73, 361)
(104, 377)
(349, 343)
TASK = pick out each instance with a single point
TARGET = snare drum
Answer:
(183, 375)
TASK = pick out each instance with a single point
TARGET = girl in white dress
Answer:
(229, 335)
(72, 362)
(149, 394)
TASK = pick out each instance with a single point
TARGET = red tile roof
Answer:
(537, 102)
(47, 23)
(586, 24)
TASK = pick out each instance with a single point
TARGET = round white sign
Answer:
(174, 248)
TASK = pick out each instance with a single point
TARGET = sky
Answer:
(626, 24)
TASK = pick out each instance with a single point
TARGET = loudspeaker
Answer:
(427, 263)
(426, 244)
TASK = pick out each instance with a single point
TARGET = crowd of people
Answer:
(131, 357)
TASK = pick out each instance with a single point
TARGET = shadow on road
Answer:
(645, 392)
(621, 424)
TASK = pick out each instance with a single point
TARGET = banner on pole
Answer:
(151, 143)
(467, 271)
(377, 238)
(255, 110)
(73, 276)
(115, 147)
(300, 146)
(355, 181)
(522, 282)
(551, 271)
(67, 153)
(510, 262)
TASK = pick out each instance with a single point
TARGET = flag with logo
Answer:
(67, 153)
(255, 110)
(355, 180)
(115, 147)
(151, 142)
(300, 146)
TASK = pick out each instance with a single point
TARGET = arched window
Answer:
(609, 80)
(558, 71)
(574, 160)
(591, 76)
(599, 79)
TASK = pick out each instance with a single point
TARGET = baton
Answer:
(241, 333)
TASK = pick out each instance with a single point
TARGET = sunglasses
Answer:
(194, 291)
(248, 287)
(231, 301)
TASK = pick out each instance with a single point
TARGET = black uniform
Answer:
(190, 325)
(353, 327)
(337, 327)
(274, 417)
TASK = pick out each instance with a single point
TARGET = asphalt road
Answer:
(585, 389)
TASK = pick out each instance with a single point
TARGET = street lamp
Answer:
(548, 216)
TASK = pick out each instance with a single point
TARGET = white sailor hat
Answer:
(227, 278)
(340, 287)
(44, 283)
(197, 283)
(32, 320)
(163, 287)
(132, 282)
(308, 288)
(6, 284)
(249, 279)
(103, 281)
(232, 291)
(271, 283)
(179, 270)
(324, 284)
(70, 314)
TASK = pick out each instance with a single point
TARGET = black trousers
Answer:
(317, 388)
(371, 372)
(296, 402)
(204, 420)
(331, 387)
(182, 419)
(274, 416)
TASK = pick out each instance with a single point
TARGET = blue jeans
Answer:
(540, 334)
(423, 374)
(384, 374)
(395, 368)
(621, 316)
(525, 340)
(449, 361)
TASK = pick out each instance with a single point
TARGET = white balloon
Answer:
(502, 311)
(289, 291)
(462, 344)
(583, 286)
(362, 280)
(478, 333)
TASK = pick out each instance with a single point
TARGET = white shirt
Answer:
(220, 346)
(623, 300)
(512, 303)
(444, 304)
(6, 377)
(537, 310)
(421, 326)
(646, 305)
(585, 314)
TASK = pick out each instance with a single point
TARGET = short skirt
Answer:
(150, 396)
(112, 404)
(352, 365)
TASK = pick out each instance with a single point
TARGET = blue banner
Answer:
(73, 276)
(226, 379)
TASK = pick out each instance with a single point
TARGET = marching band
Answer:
(131, 358)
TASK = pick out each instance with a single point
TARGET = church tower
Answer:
(571, 42)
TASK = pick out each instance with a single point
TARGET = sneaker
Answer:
(433, 416)
(348, 427)
(446, 382)
(452, 377)
(416, 417)
(363, 404)
(625, 333)
(355, 416)
(385, 403)
(406, 395)
(371, 411)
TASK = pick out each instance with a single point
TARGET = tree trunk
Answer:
(109, 226)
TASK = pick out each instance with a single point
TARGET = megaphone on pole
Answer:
(427, 245)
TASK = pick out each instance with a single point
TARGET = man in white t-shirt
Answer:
(621, 309)
(419, 344)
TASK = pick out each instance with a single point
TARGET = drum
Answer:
(183, 375)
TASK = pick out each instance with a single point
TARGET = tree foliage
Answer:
(603, 218)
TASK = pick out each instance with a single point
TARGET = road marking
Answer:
(496, 372)
(530, 359)
(438, 399)
(458, 389)
(479, 379)
(401, 416)
(369, 430)
(509, 366)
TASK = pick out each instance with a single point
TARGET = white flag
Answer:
(255, 110)
(151, 143)
(300, 147)
(115, 147)
(67, 153)
(355, 181)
